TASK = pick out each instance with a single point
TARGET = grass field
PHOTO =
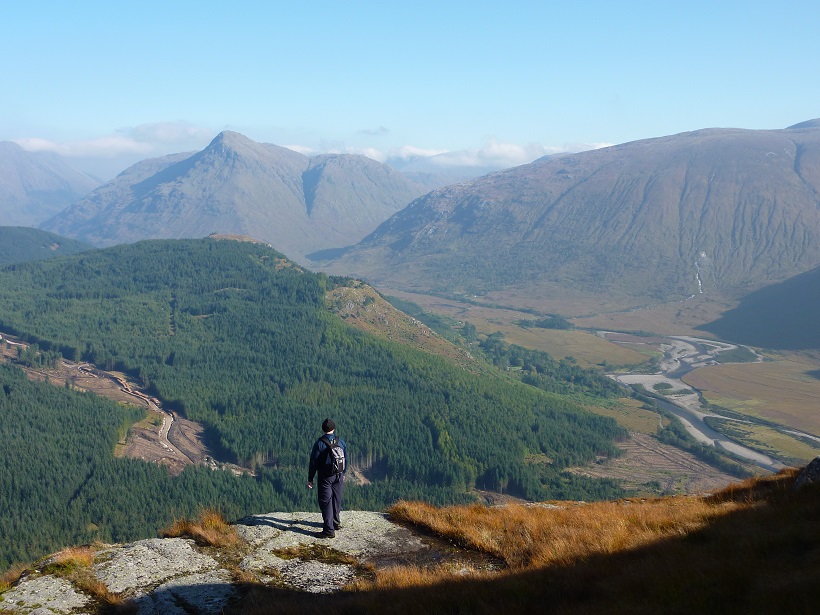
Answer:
(629, 413)
(783, 391)
(586, 348)
(772, 442)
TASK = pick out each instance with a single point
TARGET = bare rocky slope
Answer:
(35, 186)
(238, 186)
(665, 218)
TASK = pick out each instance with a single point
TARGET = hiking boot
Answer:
(325, 534)
(337, 526)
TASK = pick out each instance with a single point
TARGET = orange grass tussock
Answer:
(11, 576)
(210, 529)
(73, 557)
(527, 536)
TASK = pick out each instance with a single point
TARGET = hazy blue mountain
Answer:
(20, 244)
(436, 171)
(238, 186)
(36, 185)
(668, 217)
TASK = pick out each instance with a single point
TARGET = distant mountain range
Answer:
(20, 244)
(661, 218)
(36, 185)
(238, 186)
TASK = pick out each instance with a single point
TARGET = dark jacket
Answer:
(319, 457)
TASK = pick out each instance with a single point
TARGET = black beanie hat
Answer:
(328, 425)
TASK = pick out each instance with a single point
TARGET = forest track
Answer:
(176, 443)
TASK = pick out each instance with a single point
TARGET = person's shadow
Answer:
(306, 528)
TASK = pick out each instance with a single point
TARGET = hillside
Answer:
(239, 186)
(665, 218)
(20, 244)
(35, 185)
(780, 316)
(752, 548)
(234, 336)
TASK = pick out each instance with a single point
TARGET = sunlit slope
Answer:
(660, 218)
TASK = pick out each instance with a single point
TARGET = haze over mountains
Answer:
(669, 217)
(236, 185)
(36, 185)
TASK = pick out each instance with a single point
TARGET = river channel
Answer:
(682, 354)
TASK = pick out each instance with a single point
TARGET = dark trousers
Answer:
(330, 500)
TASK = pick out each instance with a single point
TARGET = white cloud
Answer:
(493, 154)
(144, 140)
(104, 147)
(168, 132)
(409, 152)
(301, 149)
(370, 152)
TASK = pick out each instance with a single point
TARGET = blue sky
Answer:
(485, 81)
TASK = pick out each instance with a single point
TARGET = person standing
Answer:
(324, 462)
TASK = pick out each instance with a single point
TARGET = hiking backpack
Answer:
(335, 455)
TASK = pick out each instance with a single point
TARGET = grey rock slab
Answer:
(203, 593)
(147, 563)
(43, 595)
(262, 562)
(363, 534)
(308, 575)
(316, 577)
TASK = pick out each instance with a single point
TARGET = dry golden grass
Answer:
(74, 564)
(11, 576)
(72, 558)
(751, 548)
(526, 536)
(210, 529)
(399, 577)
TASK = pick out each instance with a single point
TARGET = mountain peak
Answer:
(815, 123)
(228, 139)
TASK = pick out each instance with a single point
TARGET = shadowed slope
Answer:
(781, 316)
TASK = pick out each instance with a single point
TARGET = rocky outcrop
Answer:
(810, 475)
(178, 577)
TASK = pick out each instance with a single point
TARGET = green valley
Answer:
(238, 338)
